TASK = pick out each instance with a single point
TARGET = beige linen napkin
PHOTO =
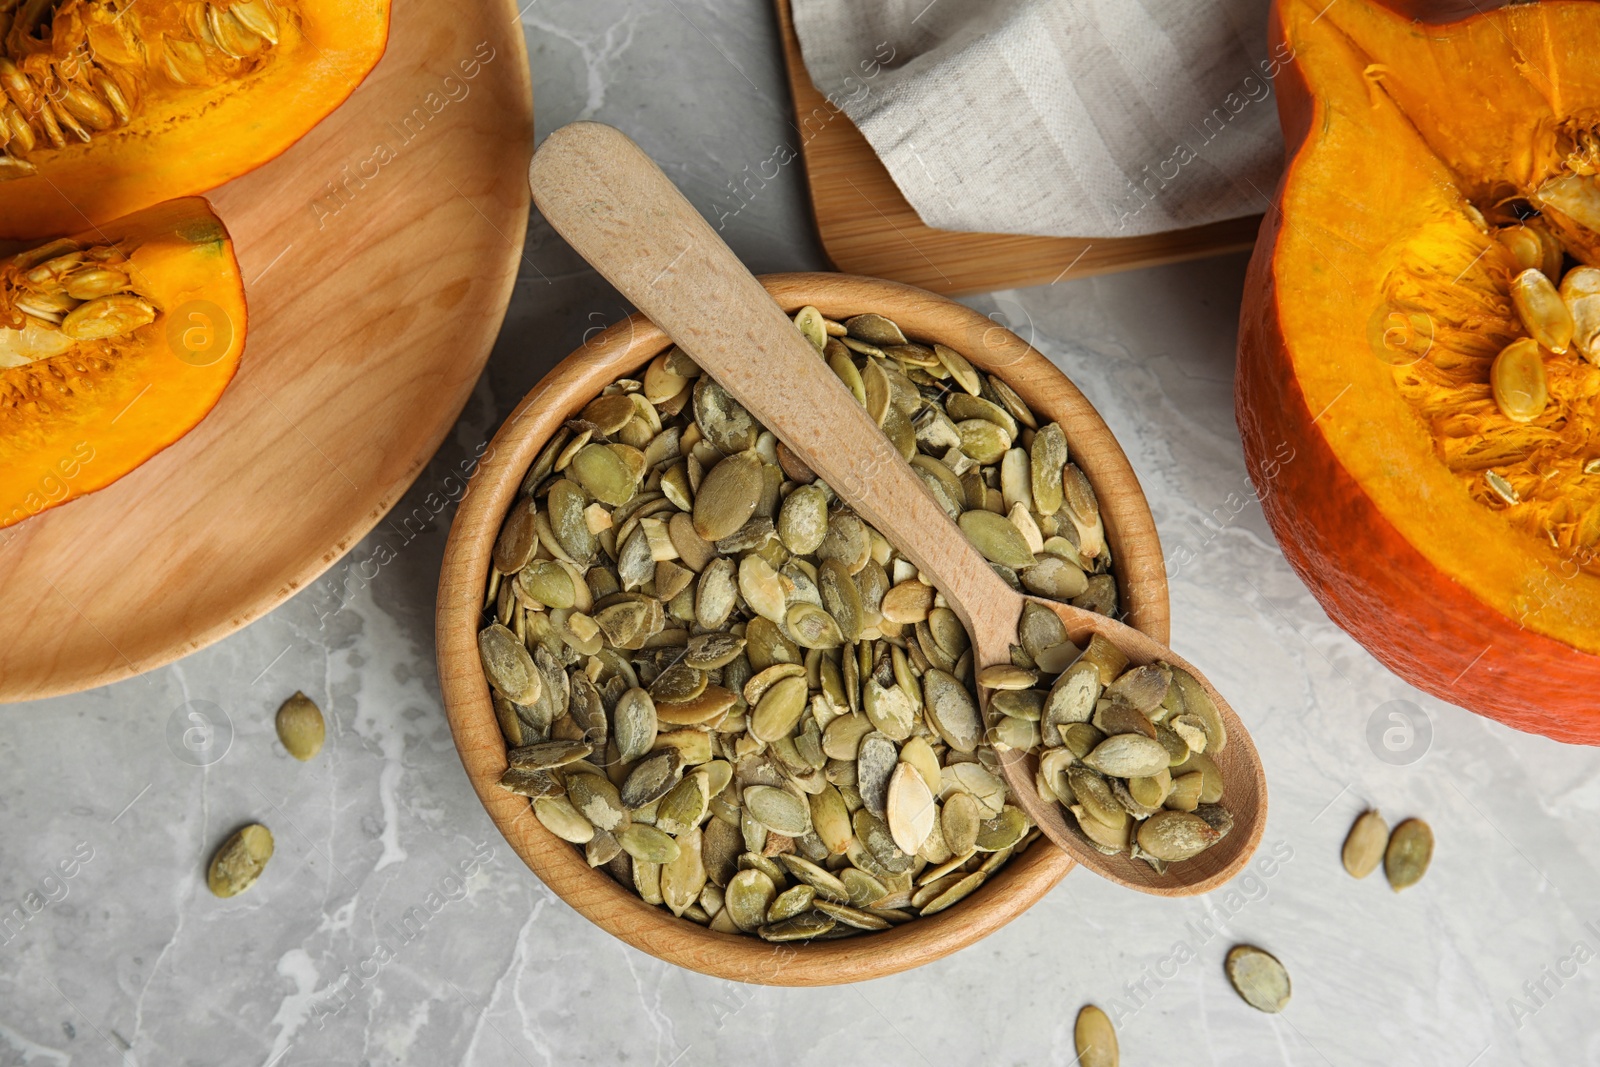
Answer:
(1062, 118)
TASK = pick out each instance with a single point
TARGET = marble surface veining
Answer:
(396, 926)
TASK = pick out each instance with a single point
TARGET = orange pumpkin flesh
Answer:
(1375, 307)
(112, 105)
(74, 422)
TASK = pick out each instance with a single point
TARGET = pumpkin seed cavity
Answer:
(1509, 398)
(735, 695)
(75, 70)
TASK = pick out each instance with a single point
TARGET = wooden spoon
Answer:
(622, 214)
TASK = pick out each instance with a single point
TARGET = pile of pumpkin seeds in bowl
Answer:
(1126, 750)
(731, 692)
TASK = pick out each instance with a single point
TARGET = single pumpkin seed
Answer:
(1408, 854)
(507, 664)
(1176, 835)
(1094, 1038)
(240, 860)
(781, 812)
(1258, 978)
(1365, 845)
(301, 727)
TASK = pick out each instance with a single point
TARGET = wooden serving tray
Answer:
(378, 255)
(867, 226)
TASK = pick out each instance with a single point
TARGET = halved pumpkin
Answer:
(109, 106)
(113, 344)
(1454, 535)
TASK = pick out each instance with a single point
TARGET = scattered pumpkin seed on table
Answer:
(1410, 851)
(300, 726)
(1365, 845)
(1258, 978)
(1094, 1039)
(240, 861)
(732, 692)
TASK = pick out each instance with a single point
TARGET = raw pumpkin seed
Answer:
(300, 726)
(240, 861)
(1409, 852)
(1094, 1038)
(1258, 978)
(910, 808)
(507, 664)
(1364, 847)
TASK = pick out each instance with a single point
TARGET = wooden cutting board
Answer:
(867, 227)
(378, 256)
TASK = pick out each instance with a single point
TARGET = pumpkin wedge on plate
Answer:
(1421, 420)
(109, 106)
(113, 344)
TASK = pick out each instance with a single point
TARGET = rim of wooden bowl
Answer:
(626, 348)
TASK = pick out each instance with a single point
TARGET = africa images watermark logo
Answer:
(1399, 732)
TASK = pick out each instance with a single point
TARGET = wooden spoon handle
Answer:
(622, 214)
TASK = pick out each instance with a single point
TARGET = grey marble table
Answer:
(396, 926)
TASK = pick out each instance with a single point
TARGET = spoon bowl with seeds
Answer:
(1127, 728)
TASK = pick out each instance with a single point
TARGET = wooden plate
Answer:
(378, 256)
(624, 349)
(868, 227)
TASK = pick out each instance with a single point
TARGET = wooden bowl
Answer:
(625, 349)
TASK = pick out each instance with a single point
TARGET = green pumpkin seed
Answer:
(1046, 459)
(1410, 851)
(635, 724)
(650, 780)
(301, 727)
(1258, 978)
(518, 539)
(997, 539)
(1128, 755)
(603, 473)
(952, 709)
(708, 652)
(1176, 835)
(799, 928)
(507, 664)
(560, 817)
(955, 894)
(861, 920)
(813, 627)
(548, 755)
(727, 425)
(684, 805)
(748, 898)
(728, 496)
(240, 860)
(1003, 831)
(531, 783)
(875, 329)
(596, 799)
(568, 524)
(779, 710)
(647, 843)
(779, 811)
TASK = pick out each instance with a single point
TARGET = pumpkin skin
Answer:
(179, 138)
(78, 421)
(1392, 128)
